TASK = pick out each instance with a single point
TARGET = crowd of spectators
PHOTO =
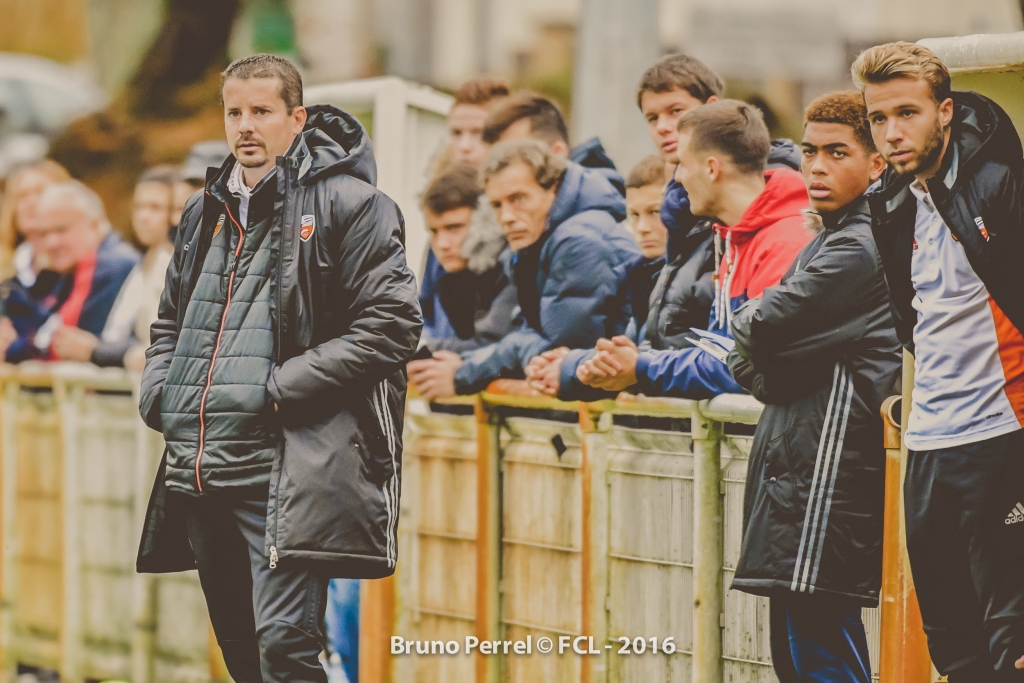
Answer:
(73, 288)
(728, 262)
(733, 263)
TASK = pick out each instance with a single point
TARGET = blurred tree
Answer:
(193, 38)
(171, 102)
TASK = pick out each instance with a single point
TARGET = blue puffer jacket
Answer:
(574, 299)
(638, 279)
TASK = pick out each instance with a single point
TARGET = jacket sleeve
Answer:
(574, 312)
(381, 308)
(580, 301)
(781, 383)
(684, 373)
(163, 333)
(815, 306)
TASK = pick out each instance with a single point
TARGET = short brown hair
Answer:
(680, 72)
(845, 107)
(546, 120)
(649, 171)
(548, 169)
(481, 91)
(883, 63)
(269, 66)
(456, 188)
(733, 128)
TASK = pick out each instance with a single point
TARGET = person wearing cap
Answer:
(202, 156)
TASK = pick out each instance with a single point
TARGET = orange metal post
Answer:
(376, 624)
(904, 648)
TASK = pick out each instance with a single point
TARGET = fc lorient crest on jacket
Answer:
(307, 227)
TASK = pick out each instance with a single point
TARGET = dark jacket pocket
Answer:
(377, 440)
(778, 474)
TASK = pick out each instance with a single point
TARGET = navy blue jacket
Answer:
(590, 154)
(638, 278)
(574, 295)
(30, 308)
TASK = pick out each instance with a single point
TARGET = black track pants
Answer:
(965, 538)
(267, 621)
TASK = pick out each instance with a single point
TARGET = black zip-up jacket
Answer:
(820, 351)
(345, 320)
(980, 198)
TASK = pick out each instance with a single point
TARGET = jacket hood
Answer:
(784, 196)
(784, 153)
(591, 154)
(585, 189)
(983, 131)
(485, 241)
(337, 144)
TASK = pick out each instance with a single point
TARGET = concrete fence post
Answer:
(8, 530)
(68, 401)
(708, 544)
(594, 546)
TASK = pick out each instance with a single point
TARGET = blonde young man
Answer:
(947, 222)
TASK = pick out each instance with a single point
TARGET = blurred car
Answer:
(38, 99)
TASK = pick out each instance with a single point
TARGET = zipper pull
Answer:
(273, 557)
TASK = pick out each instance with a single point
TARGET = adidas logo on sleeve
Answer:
(1016, 515)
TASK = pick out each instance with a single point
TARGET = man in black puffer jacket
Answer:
(820, 351)
(276, 374)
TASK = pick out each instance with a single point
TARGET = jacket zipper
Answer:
(216, 349)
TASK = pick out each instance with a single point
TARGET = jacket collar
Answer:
(844, 216)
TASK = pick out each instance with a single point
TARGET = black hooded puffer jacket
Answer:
(820, 351)
(981, 201)
(344, 321)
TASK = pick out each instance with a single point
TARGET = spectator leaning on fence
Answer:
(528, 115)
(126, 336)
(474, 100)
(819, 349)
(561, 220)
(723, 149)
(554, 372)
(277, 376)
(92, 262)
(949, 223)
(673, 86)
(474, 292)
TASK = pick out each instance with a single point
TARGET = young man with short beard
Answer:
(820, 351)
(948, 224)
